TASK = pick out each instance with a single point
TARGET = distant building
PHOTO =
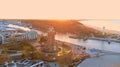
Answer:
(103, 32)
(30, 35)
(15, 31)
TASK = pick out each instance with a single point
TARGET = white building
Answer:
(17, 30)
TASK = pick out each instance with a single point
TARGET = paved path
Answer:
(36, 45)
(54, 64)
(102, 61)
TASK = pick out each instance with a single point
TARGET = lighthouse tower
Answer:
(51, 36)
(103, 31)
(50, 46)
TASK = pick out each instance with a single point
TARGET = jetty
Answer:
(104, 39)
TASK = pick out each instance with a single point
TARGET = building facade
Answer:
(16, 31)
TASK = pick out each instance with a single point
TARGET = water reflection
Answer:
(113, 46)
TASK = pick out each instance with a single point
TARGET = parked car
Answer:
(41, 63)
(26, 62)
(21, 61)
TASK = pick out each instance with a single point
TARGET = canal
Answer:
(101, 45)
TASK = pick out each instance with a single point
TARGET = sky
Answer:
(63, 9)
(60, 9)
(117, 21)
(110, 25)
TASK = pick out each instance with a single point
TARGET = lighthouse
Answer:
(103, 31)
(51, 36)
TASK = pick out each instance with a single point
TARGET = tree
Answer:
(25, 41)
(13, 40)
(4, 59)
(37, 55)
(43, 39)
(5, 51)
(65, 60)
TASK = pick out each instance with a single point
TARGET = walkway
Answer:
(105, 39)
(53, 64)
(102, 61)
(36, 45)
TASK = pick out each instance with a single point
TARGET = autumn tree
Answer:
(65, 60)
(43, 39)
